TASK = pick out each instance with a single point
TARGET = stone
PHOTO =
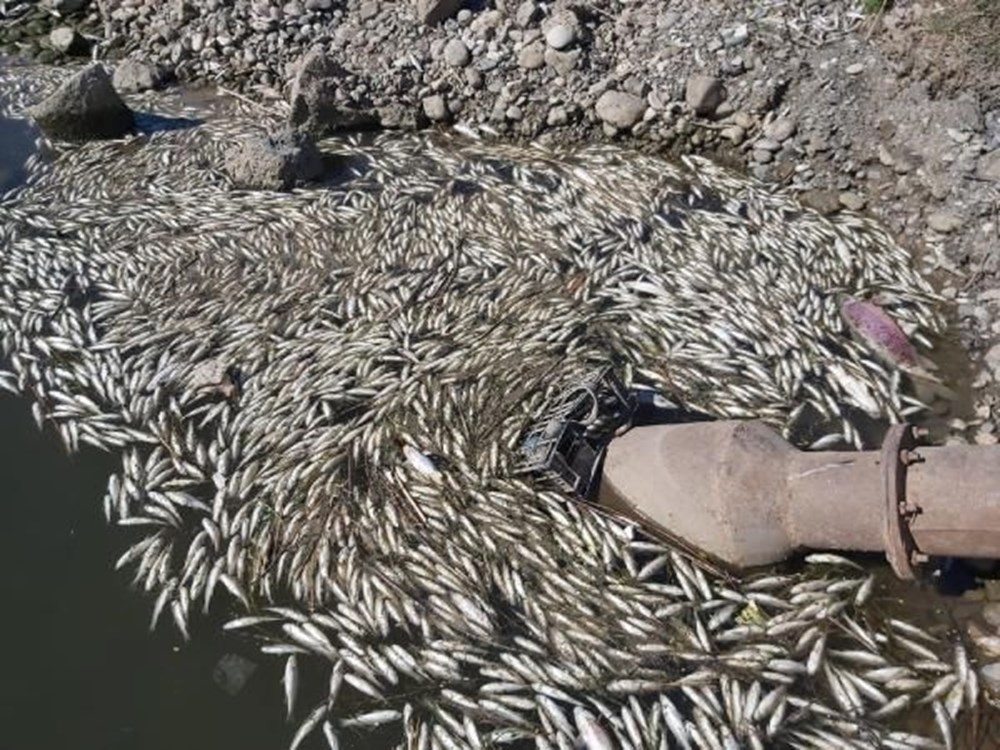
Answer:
(396, 116)
(560, 36)
(66, 41)
(736, 36)
(527, 13)
(368, 10)
(84, 107)
(991, 359)
(277, 161)
(557, 116)
(851, 201)
(433, 12)
(456, 53)
(988, 167)
(855, 69)
(132, 76)
(561, 62)
(619, 109)
(734, 134)
(823, 201)
(313, 95)
(532, 56)
(944, 222)
(991, 613)
(436, 108)
(762, 156)
(704, 94)
(767, 144)
(780, 130)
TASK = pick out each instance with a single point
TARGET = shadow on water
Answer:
(17, 142)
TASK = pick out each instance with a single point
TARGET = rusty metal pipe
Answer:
(741, 494)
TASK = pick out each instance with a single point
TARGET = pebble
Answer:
(762, 156)
(66, 41)
(532, 56)
(851, 201)
(767, 144)
(855, 69)
(620, 109)
(557, 116)
(456, 53)
(734, 134)
(704, 94)
(433, 12)
(527, 13)
(781, 129)
(988, 167)
(944, 222)
(435, 107)
(736, 36)
(560, 36)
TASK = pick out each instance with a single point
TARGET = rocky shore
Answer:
(853, 106)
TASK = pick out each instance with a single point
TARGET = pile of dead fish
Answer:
(318, 397)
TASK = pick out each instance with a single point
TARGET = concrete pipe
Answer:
(741, 494)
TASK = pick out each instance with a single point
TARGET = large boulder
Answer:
(84, 107)
(277, 161)
(314, 100)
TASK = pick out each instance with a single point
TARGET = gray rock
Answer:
(762, 156)
(557, 116)
(313, 95)
(560, 36)
(704, 94)
(368, 10)
(531, 56)
(767, 144)
(396, 116)
(84, 107)
(433, 12)
(65, 7)
(736, 36)
(988, 167)
(436, 108)
(619, 109)
(561, 62)
(278, 161)
(851, 201)
(319, 4)
(456, 53)
(781, 129)
(132, 76)
(527, 13)
(66, 41)
(855, 69)
(944, 222)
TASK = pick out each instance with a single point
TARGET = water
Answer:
(80, 668)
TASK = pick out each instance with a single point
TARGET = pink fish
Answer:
(872, 325)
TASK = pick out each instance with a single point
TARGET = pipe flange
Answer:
(900, 548)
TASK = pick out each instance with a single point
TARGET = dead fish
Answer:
(873, 325)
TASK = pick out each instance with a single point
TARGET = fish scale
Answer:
(330, 301)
